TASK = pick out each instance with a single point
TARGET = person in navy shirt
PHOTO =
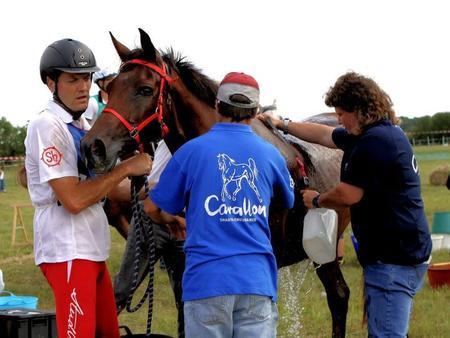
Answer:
(380, 183)
(225, 179)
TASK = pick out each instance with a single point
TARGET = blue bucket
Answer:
(12, 301)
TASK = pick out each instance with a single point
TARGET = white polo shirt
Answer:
(60, 236)
(160, 159)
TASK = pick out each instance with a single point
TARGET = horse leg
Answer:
(343, 221)
(116, 218)
(338, 295)
(122, 226)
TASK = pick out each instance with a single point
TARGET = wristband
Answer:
(315, 201)
(285, 126)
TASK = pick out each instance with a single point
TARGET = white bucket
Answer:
(320, 235)
(445, 241)
(437, 241)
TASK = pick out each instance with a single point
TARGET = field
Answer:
(302, 305)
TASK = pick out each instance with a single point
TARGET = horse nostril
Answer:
(98, 149)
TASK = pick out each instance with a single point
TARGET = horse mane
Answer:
(202, 86)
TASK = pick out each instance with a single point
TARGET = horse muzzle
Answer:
(93, 154)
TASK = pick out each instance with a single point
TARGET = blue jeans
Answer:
(389, 292)
(237, 316)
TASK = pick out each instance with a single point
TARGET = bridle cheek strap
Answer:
(159, 111)
(134, 130)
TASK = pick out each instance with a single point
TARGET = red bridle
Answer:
(159, 111)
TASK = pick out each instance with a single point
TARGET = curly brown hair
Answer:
(361, 95)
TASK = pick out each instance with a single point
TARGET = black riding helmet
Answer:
(67, 55)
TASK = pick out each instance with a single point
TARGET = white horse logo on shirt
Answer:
(235, 172)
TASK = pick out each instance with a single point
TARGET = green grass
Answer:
(301, 305)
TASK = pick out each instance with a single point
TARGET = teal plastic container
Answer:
(441, 222)
(12, 301)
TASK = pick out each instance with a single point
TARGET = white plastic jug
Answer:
(320, 235)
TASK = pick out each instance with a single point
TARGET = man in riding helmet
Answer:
(71, 232)
(97, 103)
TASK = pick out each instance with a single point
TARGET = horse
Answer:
(161, 95)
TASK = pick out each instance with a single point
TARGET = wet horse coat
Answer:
(189, 111)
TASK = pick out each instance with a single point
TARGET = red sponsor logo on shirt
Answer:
(51, 156)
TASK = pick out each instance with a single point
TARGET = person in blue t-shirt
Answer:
(225, 179)
(380, 183)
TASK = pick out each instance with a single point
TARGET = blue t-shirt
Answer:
(389, 221)
(226, 179)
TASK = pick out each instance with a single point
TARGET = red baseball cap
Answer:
(239, 83)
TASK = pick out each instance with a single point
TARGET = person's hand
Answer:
(138, 165)
(178, 228)
(308, 196)
(272, 118)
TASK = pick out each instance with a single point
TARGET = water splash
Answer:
(290, 281)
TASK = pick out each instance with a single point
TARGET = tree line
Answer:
(439, 122)
(12, 137)
(428, 130)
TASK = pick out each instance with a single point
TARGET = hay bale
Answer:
(439, 175)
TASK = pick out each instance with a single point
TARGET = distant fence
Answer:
(428, 138)
(11, 160)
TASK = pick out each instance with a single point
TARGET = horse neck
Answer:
(289, 152)
(203, 114)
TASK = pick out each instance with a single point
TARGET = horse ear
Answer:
(147, 46)
(121, 49)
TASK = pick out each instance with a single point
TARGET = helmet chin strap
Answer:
(75, 114)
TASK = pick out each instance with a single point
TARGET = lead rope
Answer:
(143, 229)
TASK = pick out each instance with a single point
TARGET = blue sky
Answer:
(295, 49)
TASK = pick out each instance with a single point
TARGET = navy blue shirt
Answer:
(389, 221)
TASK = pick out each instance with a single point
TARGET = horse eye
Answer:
(145, 91)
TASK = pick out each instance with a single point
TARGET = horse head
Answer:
(134, 114)
(144, 99)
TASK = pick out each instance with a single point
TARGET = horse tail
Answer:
(252, 165)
